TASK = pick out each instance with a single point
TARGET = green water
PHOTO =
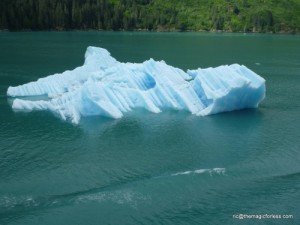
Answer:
(134, 170)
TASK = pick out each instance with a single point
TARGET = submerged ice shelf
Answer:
(105, 87)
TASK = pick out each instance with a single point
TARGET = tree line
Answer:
(162, 15)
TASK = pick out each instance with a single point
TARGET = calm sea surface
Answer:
(167, 168)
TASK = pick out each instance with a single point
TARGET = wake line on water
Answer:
(22, 205)
(219, 171)
(10, 205)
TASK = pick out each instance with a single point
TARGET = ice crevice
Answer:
(105, 87)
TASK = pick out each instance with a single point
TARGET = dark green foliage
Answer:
(170, 15)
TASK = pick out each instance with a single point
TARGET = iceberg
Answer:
(105, 87)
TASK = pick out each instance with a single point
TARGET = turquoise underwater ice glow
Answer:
(105, 87)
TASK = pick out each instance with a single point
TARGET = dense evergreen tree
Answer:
(228, 15)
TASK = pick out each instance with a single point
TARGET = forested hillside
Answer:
(162, 15)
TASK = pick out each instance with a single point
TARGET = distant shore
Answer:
(153, 31)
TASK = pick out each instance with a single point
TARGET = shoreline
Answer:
(151, 31)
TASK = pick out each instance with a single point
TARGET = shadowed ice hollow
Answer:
(105, 87)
